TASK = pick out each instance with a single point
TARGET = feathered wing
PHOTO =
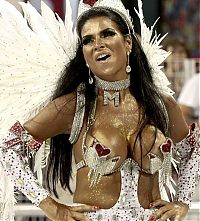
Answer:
(34, 51)
(154, 52)
(32, 58)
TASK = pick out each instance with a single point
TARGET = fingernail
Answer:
(95, 207)
(151, 205)
(152, 218)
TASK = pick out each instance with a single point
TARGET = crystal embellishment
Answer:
(108, 97)
(112, 85)
(98, 159)
(114, 5)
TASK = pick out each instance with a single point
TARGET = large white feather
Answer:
(34, 51)
(154, 52)
(32, 58)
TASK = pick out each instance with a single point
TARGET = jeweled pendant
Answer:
(108, 97)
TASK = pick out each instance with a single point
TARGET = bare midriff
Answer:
(106, 193)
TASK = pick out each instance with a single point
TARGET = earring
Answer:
(128, 67)
(91, 80)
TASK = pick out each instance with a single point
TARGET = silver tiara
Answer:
(114, 5)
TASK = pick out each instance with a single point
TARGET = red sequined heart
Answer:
(166, 147)
(101, 151)
(89, 2)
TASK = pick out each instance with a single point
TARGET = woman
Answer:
(107, 107)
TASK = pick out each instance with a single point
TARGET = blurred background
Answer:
(181, 20)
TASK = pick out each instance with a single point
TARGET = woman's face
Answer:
(105, 48)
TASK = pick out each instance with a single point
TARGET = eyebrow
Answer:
(107, 29)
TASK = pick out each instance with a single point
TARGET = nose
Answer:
(99, 43)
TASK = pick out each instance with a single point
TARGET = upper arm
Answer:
(56, 118)
(187, 112)
(178, 128)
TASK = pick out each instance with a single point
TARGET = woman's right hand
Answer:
(59, 212)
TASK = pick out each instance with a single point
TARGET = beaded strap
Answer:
(79, 114)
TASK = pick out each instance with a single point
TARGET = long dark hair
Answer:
(142, 88)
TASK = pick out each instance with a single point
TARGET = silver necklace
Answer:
(112, 86)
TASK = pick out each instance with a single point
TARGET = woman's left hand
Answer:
(174, 210)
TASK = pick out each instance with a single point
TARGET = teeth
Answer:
(101, 56)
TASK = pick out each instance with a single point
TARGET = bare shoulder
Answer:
(169, 101)
(56, 118)
(178, 127)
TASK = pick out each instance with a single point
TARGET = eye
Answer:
(108, 33)
(87, 40)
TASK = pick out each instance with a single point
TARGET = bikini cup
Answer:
(98, 155)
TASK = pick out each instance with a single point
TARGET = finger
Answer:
(79, 216)
(158, 203)
(181, 204)
(84, 208)
(159, 213)
(167, 215)
(180, 214)
(65, 216)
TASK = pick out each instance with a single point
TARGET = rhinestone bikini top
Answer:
(101, 162)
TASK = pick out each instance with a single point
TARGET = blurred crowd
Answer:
(183, 74)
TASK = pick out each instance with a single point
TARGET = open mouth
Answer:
(103, 57)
